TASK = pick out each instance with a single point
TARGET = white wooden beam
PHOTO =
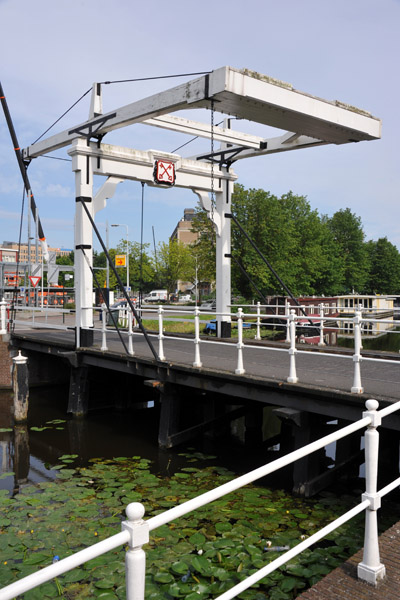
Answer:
(243, 94)
(125, 163)
(220, 134)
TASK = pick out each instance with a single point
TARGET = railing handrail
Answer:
(135, 532)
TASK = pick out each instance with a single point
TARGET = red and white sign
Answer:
(34, 280)
(164, 172)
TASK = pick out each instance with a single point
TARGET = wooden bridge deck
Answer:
(262, 360)
(343, 584)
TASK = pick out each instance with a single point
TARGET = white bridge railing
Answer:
(135, 531)
(293, 322)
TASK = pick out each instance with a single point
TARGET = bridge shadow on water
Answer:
(127, 429)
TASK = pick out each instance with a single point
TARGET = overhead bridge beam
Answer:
(138, 165)
(243, 94)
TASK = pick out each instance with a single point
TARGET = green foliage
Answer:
(312, 254)
(384, 275)
(174, 261)
(349, 236)
(200, 555)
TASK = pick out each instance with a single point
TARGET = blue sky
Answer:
(52, 52)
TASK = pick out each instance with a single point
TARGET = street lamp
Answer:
(127, 252)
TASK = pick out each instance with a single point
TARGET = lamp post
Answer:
(127, 252)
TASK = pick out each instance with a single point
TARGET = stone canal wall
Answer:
(5, 363)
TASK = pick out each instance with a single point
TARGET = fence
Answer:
(290, 320)
(135, 531)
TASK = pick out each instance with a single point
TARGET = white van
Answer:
(157, 296)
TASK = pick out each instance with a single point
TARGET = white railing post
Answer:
(135, 558)
(371, 569)
(197, 361)
(292, 350)
(130, 332)
(3, 324)
(104, 347)
(287, 313)
(357, 358)
(239, 369)
(321, 325)
(160, 333)
(258, 336)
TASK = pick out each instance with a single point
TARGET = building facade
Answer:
(23, 251)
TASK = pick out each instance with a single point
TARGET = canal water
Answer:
(389, 342)
(28, 452)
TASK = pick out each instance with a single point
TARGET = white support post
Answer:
(160, 333)
(292, 350)
(357, 358)
(135, 558)
(223, 261)
(82, 166)
(321, 325)
(197, 362)
(287, 313)
(258, 336)
(3, 320)
(130, 331)
(104, 347)
(240, 370)
(371, 569)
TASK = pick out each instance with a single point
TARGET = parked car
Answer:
(209, 305)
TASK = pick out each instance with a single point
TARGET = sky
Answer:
(52, 52)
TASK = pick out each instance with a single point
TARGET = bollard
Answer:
(135, 558)
(258, 336)
(3, 320)
(292, 350)
(371, 569)
(321, 325)
(239, 369)
(20, 388)
(160, 334)
(130, 332)
(357, 358)
(197, 362)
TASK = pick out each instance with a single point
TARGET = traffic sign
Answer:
(120, 260)
(34, 280)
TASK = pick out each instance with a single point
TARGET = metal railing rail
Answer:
(292, 321)
(135, 531)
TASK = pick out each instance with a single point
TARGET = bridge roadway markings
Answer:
(313, 368)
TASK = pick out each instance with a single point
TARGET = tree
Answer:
(203, 250)
(293, 239)
(174, 261)
(140, 264)
(349, 236)
(384, 274)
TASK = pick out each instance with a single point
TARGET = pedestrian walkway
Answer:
(343, 584)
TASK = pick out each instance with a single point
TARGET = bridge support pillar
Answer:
(20, 388)
(169, 415)
(78, 399)
(298, 430)
(83, 250)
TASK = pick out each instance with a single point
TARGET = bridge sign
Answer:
(34, 280)
(164, 172)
